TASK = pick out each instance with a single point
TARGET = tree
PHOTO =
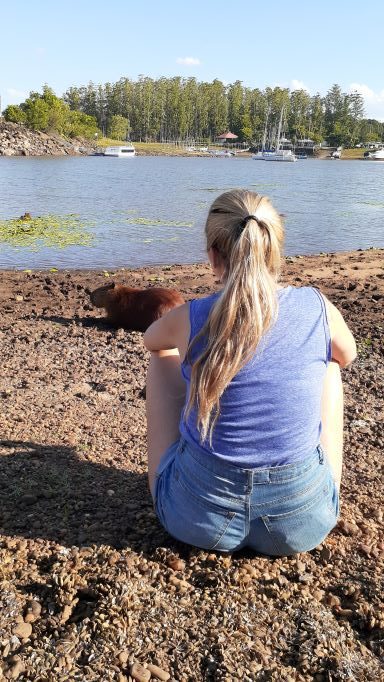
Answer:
(79, 124)
(14, 114)
(118, 127)
(37, 113)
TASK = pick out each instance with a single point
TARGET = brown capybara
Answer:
(134, 309)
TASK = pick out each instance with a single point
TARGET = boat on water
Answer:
(281, 155)
(121, 151)
(278, 154)
(378, 155)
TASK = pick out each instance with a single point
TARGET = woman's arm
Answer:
(343, 343)
(170, 331)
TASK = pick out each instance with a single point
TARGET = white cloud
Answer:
(298, 85)
(188, 61)
(373, 101)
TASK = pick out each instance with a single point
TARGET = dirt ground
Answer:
(90, 584)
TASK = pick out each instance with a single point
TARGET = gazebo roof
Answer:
(227, 136)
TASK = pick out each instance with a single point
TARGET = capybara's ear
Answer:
(110, 285)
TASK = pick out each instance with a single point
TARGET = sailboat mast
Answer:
(279, 129)
(264, 140)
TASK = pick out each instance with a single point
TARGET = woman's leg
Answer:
(165, 400)
(332, 419)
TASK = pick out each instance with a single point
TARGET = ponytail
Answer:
(247, 232)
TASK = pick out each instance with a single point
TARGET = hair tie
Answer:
(243, 224)
(251, 216)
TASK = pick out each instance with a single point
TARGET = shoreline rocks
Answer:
(18, 140)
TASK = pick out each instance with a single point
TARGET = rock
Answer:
(176, 564)
(16, 669)
(158, 673)
(123, 657)
(22, 630)
(139, 673)
(348, 527)
(66, 613)
(33, 611)
(325, 553)
(81, 389)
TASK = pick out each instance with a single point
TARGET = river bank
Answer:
(18, 140)
(90, 582)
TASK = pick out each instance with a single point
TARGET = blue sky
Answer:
(292, 44)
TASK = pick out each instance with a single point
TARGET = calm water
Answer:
(329, 205)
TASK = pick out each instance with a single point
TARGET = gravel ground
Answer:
(91, 587)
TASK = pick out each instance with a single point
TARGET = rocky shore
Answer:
(91, 587)
(18, 140)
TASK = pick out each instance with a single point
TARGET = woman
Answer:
(237, 438)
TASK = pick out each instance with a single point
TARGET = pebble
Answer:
(158, 672)
(176, 564)
(16, 669)
(139, 673)
(348, 527)
(123, 657)
(325, 553)
(22, 630)
(66, 613)
(33, 611)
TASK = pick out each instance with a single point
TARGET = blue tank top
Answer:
(270, 413)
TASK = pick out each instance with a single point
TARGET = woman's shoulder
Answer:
(203, 304)
(298, 292)
(302, 299)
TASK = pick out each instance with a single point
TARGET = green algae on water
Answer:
(155, 222)
(45, 231)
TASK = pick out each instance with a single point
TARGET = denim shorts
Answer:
(209, 503)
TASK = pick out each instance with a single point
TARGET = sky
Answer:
(295, 44)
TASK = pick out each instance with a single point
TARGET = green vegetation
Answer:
(353, 153)
(172, 109)
(49, 113)
(153, 222)
(42, 231)
(167, 109)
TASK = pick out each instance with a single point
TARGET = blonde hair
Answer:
(247, 232)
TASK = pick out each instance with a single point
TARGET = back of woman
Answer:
(270, 411)
(236, 391)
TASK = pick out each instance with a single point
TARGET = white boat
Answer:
(278, 154)
(337, 154)
(121, 152)
(377, 156)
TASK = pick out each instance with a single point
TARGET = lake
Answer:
(151, 210)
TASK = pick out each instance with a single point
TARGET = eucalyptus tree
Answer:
(235, 97)
(217, 109)
(298, 118)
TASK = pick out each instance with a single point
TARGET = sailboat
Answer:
(278, 154)
(260, 156)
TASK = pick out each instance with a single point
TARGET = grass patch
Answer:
(353, 153)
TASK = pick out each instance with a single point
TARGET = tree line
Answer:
(177, 108)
